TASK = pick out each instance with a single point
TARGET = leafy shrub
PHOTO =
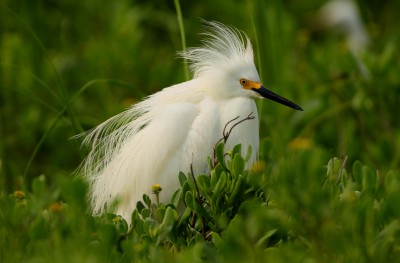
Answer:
(298, 211)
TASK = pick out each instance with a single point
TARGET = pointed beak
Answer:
(266, 93)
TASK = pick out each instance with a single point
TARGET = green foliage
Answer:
(63, 71)
(300, 211)
(201, 208)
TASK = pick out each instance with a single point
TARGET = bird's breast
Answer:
(239, 116)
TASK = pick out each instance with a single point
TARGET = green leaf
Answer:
(120, 224)
(159, 213)
(248, 154)
(189, 200)
(166, 225)
(210, 162)
(236, 190)
(191, 182)
(262, 242)
(219, 169)
(149, 226)
(139, 206)
(237, 150)
(169, 217)
(214, 178)
(147, 200)
(185, 189)
(217, 239)
(185, 215)
(203, 182)
(220, 153)
(238, 165)
(145, 213)
(200, 209)
(219, 187)
(176, 197)
(139, 227)
(182, 178)
(135, 218)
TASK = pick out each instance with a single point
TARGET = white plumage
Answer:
(170, 130)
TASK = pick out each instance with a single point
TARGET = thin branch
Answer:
(226, 134)
(226, 126)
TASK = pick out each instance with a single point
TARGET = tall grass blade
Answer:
(183, 37)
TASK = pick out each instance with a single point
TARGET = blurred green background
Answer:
(66, 66)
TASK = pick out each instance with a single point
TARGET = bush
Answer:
(299, 211)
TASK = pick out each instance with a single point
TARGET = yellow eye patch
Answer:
(248, 84)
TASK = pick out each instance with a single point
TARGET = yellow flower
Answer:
(56, 207)
(301, 143)
(117, 219)
(19, 195)
(258, 166)
(156, 188)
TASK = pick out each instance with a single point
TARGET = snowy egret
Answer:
(344, 16)
(177, 127)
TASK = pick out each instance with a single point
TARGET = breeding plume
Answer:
(178, 126)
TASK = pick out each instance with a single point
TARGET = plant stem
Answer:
(183, 37)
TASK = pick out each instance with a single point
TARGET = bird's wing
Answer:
(164, 142)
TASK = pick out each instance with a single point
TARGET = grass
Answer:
(73, 70)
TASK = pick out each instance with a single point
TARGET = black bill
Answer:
(266, 93)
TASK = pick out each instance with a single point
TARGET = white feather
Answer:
(167, 132)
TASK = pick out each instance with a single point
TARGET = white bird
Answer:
(178, 126)
(344, 16)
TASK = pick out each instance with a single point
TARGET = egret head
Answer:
(226, 62)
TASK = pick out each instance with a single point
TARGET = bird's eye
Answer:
(243, 82)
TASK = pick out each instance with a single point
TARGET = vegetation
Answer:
(66, 66)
